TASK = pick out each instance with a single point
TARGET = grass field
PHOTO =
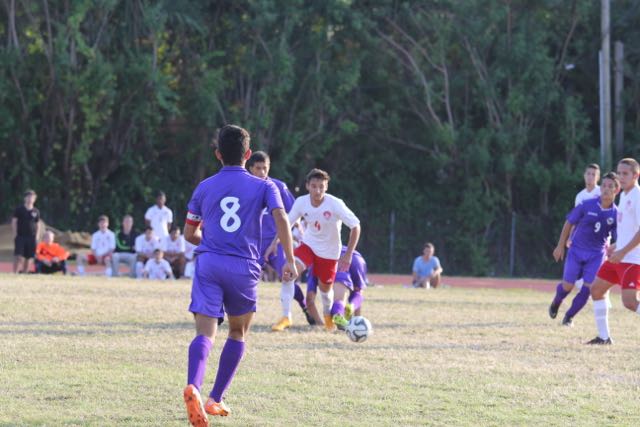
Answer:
(93, 351)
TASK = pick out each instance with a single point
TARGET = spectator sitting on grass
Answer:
(50, 256)
(157, 267)
(426, 268)
(145, 246)
(103, 243)
(174, 249)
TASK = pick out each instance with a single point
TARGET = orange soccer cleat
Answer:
(328, 323)
(282, 324)
(216, 408)
(195, 409)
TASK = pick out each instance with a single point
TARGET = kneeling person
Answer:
(157, 268)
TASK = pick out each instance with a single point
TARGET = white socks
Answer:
(108, 271)
(286, 296)
(327, 300)
(600, 311)
(81, 270)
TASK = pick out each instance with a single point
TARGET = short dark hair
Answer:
(316, 173)
(155, 251)
(174, 228)
(147, 228)
(233, 143)
(160, 193)
(103, 218)
(30, 192)
(258, 157)
(632, 163)
(593, 166)
(612, 176)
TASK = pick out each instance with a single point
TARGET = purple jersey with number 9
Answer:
(593, 225)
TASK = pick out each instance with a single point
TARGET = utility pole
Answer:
(605, 89)
(619, 104)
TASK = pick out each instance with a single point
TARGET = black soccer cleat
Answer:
(553, 310)
(310, 319)
(600, 341)
(567, 321)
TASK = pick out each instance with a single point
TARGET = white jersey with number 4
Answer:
(322, 234)
(629, 223)
(586, 195)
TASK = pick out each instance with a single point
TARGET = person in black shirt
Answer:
(26, 226)
(125, 248)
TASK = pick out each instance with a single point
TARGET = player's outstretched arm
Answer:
(345, 260)
(289, 272)
(558, 252)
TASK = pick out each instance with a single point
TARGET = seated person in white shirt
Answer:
(174, 249)
(103, 243)
(159, 216)
(190, 256)
(145, 245)
(157, 268)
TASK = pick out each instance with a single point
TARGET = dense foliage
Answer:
(438, 119)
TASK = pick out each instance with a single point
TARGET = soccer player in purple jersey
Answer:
(594, 221)
(227, 270)
(259, 165)
(353, 280)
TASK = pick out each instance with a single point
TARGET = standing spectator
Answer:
(159, 217)
(145, 246)
(174, 249)
(125, 248)
(103, 243)
(426, 268)
(157, 268)
(25, 225)
(50, 256)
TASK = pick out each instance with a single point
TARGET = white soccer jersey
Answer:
(146, 247)
(158, 270)
(322, 234)
(103, 242)
(175, 246)
(586, 195)
(159, 218)
(629, 223)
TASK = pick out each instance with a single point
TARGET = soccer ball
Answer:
(359, 329)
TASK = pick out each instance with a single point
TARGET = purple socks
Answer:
(560, 294)
(337, 308)
(198, 354)
(356, 299)
(579, 301)
(299, 296)
(229, 361)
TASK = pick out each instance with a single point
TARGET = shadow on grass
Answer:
(87, 328)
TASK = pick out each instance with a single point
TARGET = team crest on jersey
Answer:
(34, 214)
(609, 221)
(326, 214)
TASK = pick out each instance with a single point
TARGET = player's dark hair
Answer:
(317, 174)
(593, 166)
(103, 218)
(29, 192)
(635, 167)
(258, 157)
(612, 176)
(160, 193)
(147, 228)
(174, 228)
(233, 143)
